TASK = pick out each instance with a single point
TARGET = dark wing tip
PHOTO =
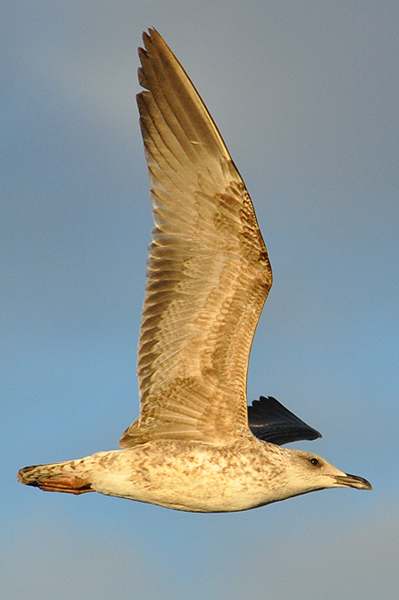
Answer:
(271, 422)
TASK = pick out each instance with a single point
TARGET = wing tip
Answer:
(271, 421)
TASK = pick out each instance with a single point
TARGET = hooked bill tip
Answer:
(354, 481)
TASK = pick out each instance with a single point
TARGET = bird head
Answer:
(308, 472)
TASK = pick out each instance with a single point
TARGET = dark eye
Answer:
(314, 462)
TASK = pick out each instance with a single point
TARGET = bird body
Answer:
(194, 476)
(196, 446)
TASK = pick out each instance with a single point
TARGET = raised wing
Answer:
(208, 270)
(271, 422)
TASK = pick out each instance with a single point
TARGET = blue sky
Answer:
(306, 97)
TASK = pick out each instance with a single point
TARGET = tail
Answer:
(69, 477)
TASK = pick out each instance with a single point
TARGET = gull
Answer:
(196, 445)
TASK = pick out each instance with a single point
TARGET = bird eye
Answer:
(314, 462)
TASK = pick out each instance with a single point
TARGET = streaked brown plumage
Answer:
(208, 278)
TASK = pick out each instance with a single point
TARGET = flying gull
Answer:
(196, 445)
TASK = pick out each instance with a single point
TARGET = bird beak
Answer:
(354, 481)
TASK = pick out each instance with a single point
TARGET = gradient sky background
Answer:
(305, 94)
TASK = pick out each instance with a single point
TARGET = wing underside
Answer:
(208, 272)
